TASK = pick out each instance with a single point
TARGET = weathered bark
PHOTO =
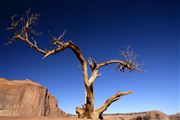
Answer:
(91, 113)
(109, 101)
(87, 109)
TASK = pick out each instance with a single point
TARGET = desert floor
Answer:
(43, 118)
(39, 118)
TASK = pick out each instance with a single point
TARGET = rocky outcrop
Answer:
(148, 115)
(174, 117)
(27, 98)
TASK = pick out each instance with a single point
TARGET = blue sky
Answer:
(101, 29)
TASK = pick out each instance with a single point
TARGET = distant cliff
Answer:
(27, 98)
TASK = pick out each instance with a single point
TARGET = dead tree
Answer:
(22, 28)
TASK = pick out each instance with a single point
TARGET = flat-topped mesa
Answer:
(27, 98)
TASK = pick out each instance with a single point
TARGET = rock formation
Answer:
(148, 115)
(27, 98)
(175, 116)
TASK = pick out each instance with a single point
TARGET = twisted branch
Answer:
(121, 63)
(112, 99)
(23, 31)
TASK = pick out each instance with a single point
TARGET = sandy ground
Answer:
(45, 118)
(38, 118)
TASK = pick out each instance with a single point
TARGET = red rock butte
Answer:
(27, 98)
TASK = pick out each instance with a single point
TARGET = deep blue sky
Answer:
(101, 28)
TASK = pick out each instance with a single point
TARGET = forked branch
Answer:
(22, 28)
(76, 50)
(23, 31)
(122, 65)
(119, 62)
(32, 45)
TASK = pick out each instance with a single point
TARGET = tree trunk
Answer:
(88, 111)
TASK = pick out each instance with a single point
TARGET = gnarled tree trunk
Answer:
(87, 110)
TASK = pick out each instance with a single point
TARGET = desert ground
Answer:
(38, 118)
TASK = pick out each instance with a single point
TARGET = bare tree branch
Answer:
(32, 45)
(94, 75)
(23, 29)
(121, 63)
(130, 58)
(92, 63)
(129, 63)
(76, 50)
(57, 40)
(112, 99)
